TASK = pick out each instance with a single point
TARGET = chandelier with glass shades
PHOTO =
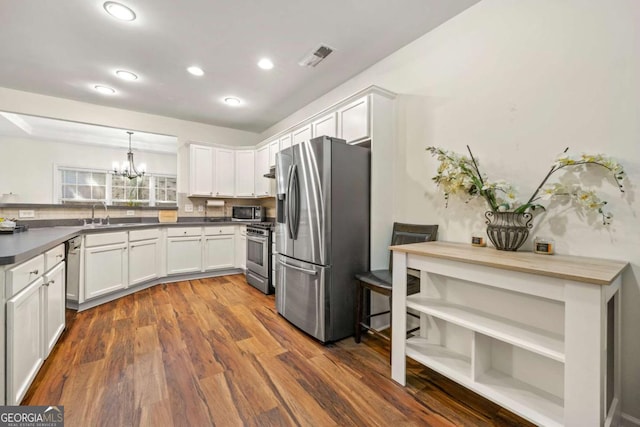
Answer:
(128, 169)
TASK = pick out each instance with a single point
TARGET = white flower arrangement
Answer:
(459, 174)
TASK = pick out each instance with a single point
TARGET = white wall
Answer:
(41, 105)
(519, 81)
(28, 170)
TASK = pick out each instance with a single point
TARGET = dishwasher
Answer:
(74, 247)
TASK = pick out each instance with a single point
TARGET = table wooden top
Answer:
(582, 269)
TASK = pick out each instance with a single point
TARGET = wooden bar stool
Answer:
(380, 281)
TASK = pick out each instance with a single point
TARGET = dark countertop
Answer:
(19, 247)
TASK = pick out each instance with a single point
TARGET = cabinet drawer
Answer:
(184, 231)
(105, 239)
(53, 256)
(213, 231)
(21, 275)
(152, 233)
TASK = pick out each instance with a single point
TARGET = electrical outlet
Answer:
(27, 213)
(200, 208)
(131, 213)
(188, 207)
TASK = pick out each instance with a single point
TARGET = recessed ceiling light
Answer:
(196, 71)
(265, 64)
(126, 75)
(105, 90)
(232, 101)
(119, 11)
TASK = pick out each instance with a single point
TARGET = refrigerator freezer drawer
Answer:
(302, 295)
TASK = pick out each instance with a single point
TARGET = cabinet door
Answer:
(245, 173)
(285, 142)
(105, 270)
(301, 134)
(241, 247)
(200, 170)
(274, 147)
(219, 252)
(262, 167)
(54, 303)
(353, 121)
(224, 172)
(325, 126)
(144, 261)
(184, 254)
(24, 340)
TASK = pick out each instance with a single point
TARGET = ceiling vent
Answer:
(316, 56)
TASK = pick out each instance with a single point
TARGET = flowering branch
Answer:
(458, 174)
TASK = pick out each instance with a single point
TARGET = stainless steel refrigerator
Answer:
(322, 234)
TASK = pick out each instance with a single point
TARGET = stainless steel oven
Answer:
(258, 272)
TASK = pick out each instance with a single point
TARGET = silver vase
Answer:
(508, 230)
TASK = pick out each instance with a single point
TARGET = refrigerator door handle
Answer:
(304, 270)
(296, 205)
(288, 201)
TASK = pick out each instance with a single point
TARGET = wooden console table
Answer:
(537, 334)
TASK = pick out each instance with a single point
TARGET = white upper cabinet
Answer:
(245, 173)
(224, 163)
(301, 134)
(262, 167)
(274, 147)
(200, 170)
(325, 126)
(353, 121)
(285, 141)
(211, 171)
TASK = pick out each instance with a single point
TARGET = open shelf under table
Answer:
(533, 339)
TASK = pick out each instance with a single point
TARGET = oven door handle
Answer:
(257, 239)
(304, 270)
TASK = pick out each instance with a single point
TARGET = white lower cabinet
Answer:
(184, 254)
(241, 247)
(219, 252)
(218, 249)
(105, 270)
(144, 261)
(24, 350)
(54, 304)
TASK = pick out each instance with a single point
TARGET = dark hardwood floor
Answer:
(215, 352)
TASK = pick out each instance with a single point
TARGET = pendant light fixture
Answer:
(128, 168)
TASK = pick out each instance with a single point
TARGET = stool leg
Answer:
(390, 328)
(359, 295)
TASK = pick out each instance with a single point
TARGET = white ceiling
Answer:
(52, 130)
(65, 47)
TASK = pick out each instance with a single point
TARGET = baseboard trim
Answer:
(630, 421)
(153, 282)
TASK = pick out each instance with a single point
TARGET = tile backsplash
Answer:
(198, 204)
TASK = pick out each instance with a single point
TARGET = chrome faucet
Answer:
(106, 212)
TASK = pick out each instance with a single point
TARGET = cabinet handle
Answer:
(34, 272)
(59, 256)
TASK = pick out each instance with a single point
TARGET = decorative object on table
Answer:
(543, 246)
(477, 239)
(508, 230)
(509, 220)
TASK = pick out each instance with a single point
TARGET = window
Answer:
(166, 189)
(130, 191)
(83, 185)
(80, 185)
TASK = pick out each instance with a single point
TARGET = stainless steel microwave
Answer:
(248, 213)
